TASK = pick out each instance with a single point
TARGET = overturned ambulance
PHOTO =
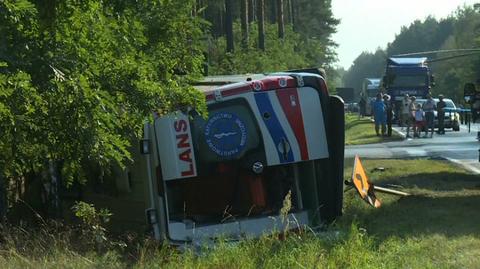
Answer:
(266, 137)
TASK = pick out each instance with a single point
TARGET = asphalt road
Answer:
(460, 147)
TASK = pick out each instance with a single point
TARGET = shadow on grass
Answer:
(415, 216)
(438, 182)
(362, 131)
(371, 138)
(445, 200)
(445, 203)
(354, 123)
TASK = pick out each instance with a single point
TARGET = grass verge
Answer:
(437, 227)
(362, 131)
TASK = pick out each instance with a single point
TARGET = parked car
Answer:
(352, 107)
(452, 118)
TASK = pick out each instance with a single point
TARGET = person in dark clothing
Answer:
(389, 111)
(441, 114)
(363, 106)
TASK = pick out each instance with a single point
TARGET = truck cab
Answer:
(268, 157)
(410, 76)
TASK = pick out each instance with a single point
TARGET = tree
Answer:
(261, 24)
(244, 22)
(79, 78)
(458, 31)
(366, 65)
(77, 86)
(314, 19)
(229, 25)
(280, 19)
(251, 10)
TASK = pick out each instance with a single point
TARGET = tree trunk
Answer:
(251, 10)
(288, 14)
(229, 25)
(261, 24)
(293, 12)
(280, 19)
(54, 191)
(3, 198)
(194, 9)
(244, 22)
(201, 5)
(272, 11)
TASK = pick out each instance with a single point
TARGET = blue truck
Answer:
(410, 76)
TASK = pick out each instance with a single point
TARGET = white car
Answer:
(452, 118)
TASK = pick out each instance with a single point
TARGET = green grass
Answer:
(362, 131)
(437, 227)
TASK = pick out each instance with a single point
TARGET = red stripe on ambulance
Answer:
(184, 148)
(290, 103)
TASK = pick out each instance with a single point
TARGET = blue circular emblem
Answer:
(225, 134)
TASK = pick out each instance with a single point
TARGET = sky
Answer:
(368, 24)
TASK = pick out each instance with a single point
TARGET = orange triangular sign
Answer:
(362, 185)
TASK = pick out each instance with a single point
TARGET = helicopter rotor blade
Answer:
(435, 52)
(452, 57)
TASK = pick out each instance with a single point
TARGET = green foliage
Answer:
(78, 79)
(21, 107)
(89, 215)
(316, 19)
(453, 74)
(428, 34)
(459, 31)
(292, 52)
(307, 42)
(435, 228)
(93, 223)
(366, 65)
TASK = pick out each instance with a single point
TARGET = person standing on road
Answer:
(412, 107)
(441, 114)
(379, 114)
(429, 108)
(363, 106)
(389, 111)
(405, 111)
(419, 121)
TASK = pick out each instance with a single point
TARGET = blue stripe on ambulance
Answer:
(273, 125)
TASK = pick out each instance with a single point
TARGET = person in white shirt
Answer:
(419, 121)
(412, 107)
(405, 111)
(429, 107)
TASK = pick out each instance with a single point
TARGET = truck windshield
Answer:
(409, 81)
